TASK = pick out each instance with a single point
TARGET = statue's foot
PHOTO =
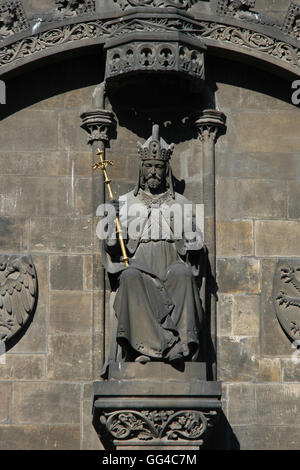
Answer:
(142, 359)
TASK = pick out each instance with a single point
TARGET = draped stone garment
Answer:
(157, 303)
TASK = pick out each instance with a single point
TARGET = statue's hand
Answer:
(193, 241)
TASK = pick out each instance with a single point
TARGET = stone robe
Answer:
(157, 303)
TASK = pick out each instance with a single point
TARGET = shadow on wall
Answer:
(223, 437)
(242, 75)
(49, 80)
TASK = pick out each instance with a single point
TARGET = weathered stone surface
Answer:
(66, 272)
(246, 315)
(88, 272)
(245, 137)
(90, 439)
(273, 5)
(70, 358)
(33, 163)
(40, 437)
(39, 5)
(61, 234)
(28, 130)
(97, 267)
(41, 263)
(265, 437)
(233, 95)
(36, 196)
(194, 156)
(241, 404)
(123, 153)
(234, 238)
(257, 165)
(269, 370)
(194, 191)
(237, 358)
(262, 100)
(46, 403)
(238, 275)
(70, 134)
(98, 360)
(277, 238)
(225, 314)
(70, 312)
(290, 367)
(239, 361)
(273, 340)
(293, 200)
(23, 367)
(62, 162)
(13, 233)
(278, 404)
(98, 310)
(5, 393)
(83, 196)
(239, 198)
(35, 339)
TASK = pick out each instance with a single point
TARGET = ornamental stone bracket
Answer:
(100, 125)
(172, 410)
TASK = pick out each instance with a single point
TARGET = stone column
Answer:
(210, 124)
(100, 125)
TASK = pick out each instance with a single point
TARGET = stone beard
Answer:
(157, 304)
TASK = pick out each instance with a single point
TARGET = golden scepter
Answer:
(102, 165)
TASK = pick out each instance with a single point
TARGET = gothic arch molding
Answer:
(265, 45)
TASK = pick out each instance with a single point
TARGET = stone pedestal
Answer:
(155, 406)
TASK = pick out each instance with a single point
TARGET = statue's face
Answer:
(154, 173)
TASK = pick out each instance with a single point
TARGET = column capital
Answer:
(210, 123)
(100, 124)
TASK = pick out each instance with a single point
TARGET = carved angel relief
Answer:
(18, 293)
(286, 296)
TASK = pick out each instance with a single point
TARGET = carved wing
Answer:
(286, 296)
(18, 289)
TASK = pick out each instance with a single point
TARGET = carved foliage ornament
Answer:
(286, 296)
(170, 425)
(180, 4)
(18, 292)
(228, 34)
(12, 18)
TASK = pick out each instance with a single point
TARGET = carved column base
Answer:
(172, 410)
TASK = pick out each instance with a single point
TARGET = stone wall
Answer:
(46, 210)
(47, 207)
(257, 223)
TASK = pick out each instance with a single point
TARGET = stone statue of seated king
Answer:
(156, 311)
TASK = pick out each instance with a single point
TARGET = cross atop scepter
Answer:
(102, 165)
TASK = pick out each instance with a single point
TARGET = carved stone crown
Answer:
(155, 147)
